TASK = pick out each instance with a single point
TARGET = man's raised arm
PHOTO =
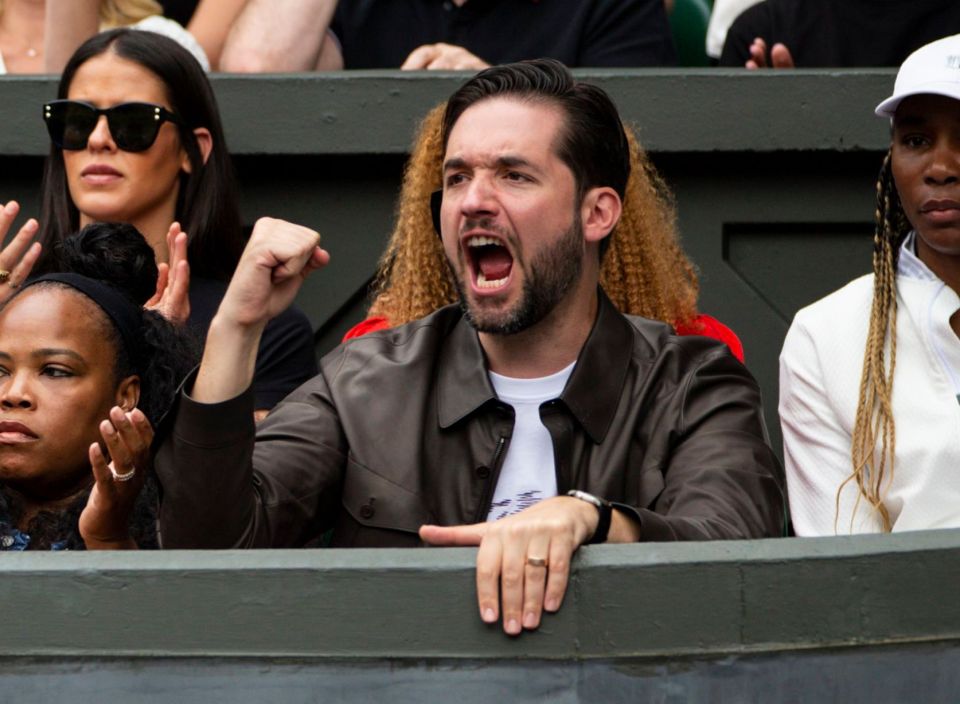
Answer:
(279, 35)
(206, 462)
(274, 264)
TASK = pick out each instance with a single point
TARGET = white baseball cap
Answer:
(933, 68)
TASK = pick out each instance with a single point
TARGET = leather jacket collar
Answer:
(591, 394)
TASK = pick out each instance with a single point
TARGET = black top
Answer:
(382, 33)
(285, 359)
(179, 10)
(842, 32)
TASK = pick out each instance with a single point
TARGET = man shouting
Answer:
(529, 420)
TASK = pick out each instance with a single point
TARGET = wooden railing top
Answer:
(375, 112)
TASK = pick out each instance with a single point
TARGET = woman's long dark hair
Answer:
(161, 356)
(207, 205)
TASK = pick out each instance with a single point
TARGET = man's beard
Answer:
(550, 275)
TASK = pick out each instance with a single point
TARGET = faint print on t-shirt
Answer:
(515, 504)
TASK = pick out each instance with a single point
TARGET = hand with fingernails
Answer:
(19, 256)
(105, 521)
(172, 298)
(523, 564)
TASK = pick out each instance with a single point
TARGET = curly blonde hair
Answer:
(644, 271)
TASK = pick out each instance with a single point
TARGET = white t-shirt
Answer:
(529, 472)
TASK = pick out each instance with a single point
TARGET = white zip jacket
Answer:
(820, 369)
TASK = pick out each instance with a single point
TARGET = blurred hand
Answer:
(445, 57)
(19, 256)
(780, 56)
(105, 520)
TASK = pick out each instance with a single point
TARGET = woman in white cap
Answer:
(870, 375)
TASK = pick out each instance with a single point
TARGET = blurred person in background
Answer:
(71, 22)
(836, 33)
(37, 36)
(307, 35)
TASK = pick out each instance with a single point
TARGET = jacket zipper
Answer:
(498, 452)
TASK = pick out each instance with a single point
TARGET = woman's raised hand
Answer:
(19, 256)
(172, 299)
(105, 521)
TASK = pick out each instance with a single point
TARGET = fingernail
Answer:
(551, 605)
(513, 627)
(530, 620)
(489, 616)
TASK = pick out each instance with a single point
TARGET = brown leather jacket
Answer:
(402, 428)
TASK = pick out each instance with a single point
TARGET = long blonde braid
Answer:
(873, 468)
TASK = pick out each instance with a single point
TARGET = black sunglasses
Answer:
(134, 126)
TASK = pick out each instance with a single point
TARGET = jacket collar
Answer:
(591, 394)
(594, 389)
(463, 384)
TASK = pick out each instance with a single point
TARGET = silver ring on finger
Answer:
(123, 476)
(537, 562)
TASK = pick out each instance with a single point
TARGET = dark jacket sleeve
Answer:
(228, 484)
(628, 33)
(721, 479)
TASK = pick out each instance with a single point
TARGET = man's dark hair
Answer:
(592, 144)
(207, 205)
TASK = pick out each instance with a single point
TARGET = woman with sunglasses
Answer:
(137, 138)
(84, 372)
(870, 375)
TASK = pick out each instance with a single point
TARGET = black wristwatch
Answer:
(606, 512)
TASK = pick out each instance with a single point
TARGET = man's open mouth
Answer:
(491, 261)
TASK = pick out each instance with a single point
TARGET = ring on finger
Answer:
(4, 275)
(123, 476)
(537, 561)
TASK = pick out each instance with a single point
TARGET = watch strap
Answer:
(605, 510)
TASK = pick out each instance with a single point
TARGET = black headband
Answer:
(125, 314)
